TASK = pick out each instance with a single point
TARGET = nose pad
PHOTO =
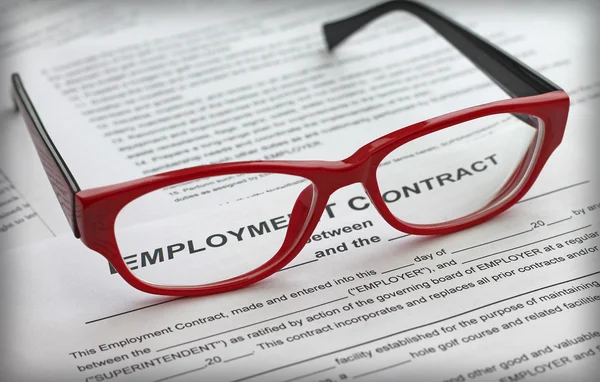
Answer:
(299, 217)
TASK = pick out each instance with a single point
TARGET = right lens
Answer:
(461, 170)
(221, 235)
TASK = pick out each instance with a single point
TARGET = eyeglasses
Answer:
(434, 177)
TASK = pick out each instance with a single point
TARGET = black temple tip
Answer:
(337, 31)
(15, 79)
(332, 35)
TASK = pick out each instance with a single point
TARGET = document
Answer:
(510, 300)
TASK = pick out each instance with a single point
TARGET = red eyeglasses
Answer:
(434, 177)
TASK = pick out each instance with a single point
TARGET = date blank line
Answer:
(180, 374)
(493, 241)
(395, 269)
(560, 221)
(238, 357)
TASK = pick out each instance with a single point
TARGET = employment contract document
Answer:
(510, 300)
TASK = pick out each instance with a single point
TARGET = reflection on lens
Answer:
(461, 170)
(214, 236)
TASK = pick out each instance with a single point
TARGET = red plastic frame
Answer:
(97, 209)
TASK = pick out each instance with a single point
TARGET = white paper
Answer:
(491, 303)
(150, 99)
(69, 315)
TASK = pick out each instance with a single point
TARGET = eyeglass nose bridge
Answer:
(343, 173)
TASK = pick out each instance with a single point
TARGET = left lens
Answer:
(460, 171)
(224, 233)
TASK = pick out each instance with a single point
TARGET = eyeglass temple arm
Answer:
(514, 77)
(62, 181)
